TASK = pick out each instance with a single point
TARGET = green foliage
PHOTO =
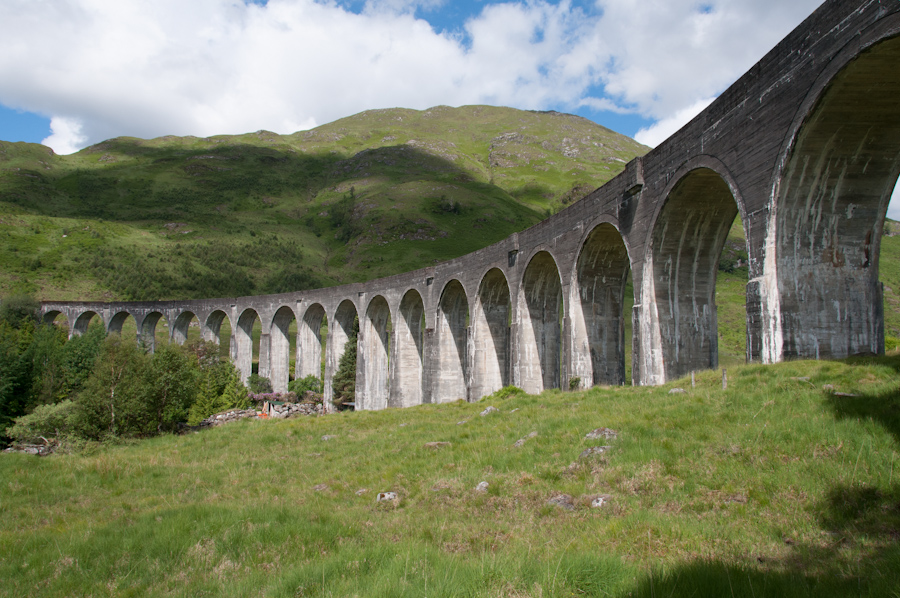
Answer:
(55, 421)
(19, 310)
(259, 384)
(344, 381)
(505, 393)
(169, 388)
(310, 383)
(221, 389)
(112, 402)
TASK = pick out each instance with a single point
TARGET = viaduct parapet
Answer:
(804, 148)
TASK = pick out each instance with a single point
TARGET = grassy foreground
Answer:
(773, 487)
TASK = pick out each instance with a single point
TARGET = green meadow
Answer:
(781, 485)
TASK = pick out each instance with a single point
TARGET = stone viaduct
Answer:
(805, 148)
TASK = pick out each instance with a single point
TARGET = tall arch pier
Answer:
(804, 149)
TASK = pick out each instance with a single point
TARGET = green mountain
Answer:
(374, 194)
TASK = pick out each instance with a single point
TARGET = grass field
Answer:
(777, 486)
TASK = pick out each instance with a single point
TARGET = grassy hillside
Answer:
(775, 487)
(378, 193)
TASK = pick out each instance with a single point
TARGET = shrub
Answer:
(19, 310)
(310, 383)
(258, 384)
(45, 422)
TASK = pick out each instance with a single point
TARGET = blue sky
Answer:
(77, 72)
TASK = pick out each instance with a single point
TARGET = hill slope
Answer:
(370, 195)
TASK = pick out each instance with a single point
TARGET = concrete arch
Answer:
(409, 333)
(49, 318)
(147, 329)
(679, 320)
(540, 309)
(211, 330)
(181, 326)
(373, 381)
(243, 342)
(491, 335)
(596, 308)
(343, 326)
(117, 321)
(280, 348)
(830, 203)
(309, 342)
(452, 338)
(83, 320)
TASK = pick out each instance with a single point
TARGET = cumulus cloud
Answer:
(65, 135)
(663, 129)
(103, 69)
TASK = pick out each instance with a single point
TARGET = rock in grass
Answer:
(563, 501)
(438, 445)
(676, 391)
(521, 441)
(600, 501)
(320, 487)
(606, 433)
(489, 410)
(481, 487)
(386, 497)
(328, 437)
(594, 450)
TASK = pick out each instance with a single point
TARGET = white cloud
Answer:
(663, 129)
(224, 66)
(65, 135)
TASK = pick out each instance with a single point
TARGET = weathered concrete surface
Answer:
(804, 148)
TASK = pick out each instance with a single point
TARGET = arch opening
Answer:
(541, 308)
(58, 319)
(217, 329)
(491, 335)
(150, 333)
(345, 330)
(186, 328)
(831, 205)
(282, 347)
(83, 321)
(124, 324)
(597, 309)
(375, 351)
(452, 323)
(410, 351)
(680, 277)
(247, 335)
(311, 335)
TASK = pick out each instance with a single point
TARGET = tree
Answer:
(344, 382)
(112, 402)
(169, 388)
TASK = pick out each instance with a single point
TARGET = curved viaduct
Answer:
(805, 148)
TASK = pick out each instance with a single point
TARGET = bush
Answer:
(45, 422)
(214, 398)
(259, 384)
(310, 383)
(19, 310)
